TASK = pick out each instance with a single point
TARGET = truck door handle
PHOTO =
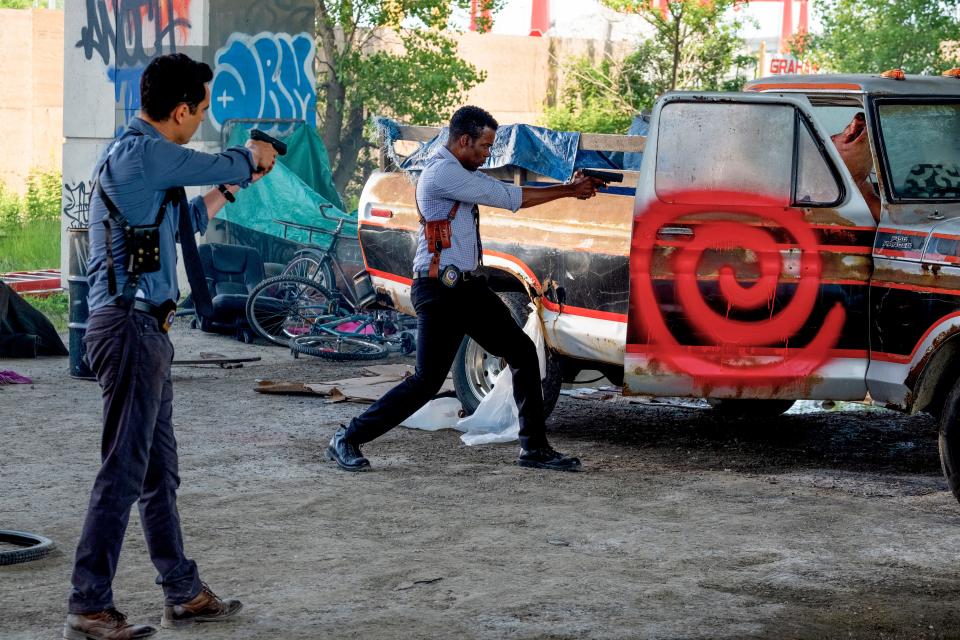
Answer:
(685, 232)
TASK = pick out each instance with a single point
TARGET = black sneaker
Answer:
(346, 454)
(546, 458)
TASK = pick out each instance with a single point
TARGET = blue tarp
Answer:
(537, 149)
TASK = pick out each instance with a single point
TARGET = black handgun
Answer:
(604, 176)
(257, 134)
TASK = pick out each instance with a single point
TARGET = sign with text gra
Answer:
(782, 64)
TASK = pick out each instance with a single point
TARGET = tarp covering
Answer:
(300, 182)
(544, 151)
(24, 331)
(639, 127)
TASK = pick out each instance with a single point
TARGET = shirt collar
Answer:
(144, 127)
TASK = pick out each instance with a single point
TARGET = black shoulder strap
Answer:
(129, 289)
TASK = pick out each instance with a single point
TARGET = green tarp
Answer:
(299, 183)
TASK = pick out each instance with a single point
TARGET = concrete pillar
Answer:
(262, 54)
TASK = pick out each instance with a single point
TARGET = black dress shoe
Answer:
(546, 458)
(346, 454)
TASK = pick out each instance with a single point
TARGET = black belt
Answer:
(163, 313)
(464, 275)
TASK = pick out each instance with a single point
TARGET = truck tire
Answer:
(737, 408)
(473, 368)
(949, 440)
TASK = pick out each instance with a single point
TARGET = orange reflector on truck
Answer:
(894, 74)
(951, 73)
(381, 213)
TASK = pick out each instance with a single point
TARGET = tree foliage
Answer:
(869, 36)
(386, 57)
(694, 46)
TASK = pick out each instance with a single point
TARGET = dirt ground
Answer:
(819, 525)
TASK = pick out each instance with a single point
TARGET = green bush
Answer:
(44, 191)
(30, 226)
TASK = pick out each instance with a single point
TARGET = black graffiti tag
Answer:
(76, 204)
(126, 38)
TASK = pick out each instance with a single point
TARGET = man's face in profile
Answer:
(475, 151)
(854, 148)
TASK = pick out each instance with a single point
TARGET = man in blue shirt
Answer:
(142, 175)
(453, 300)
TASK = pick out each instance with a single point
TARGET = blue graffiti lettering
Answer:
(264, 76)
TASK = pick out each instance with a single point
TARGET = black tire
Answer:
(737, 408)
(284, 307)
(338, 348)
(473, 367)
(34, 547)
(314, 265)
(949, 440)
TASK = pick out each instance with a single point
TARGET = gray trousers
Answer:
(131, 358)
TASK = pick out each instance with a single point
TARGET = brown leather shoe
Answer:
(206, 607)
(106, 625)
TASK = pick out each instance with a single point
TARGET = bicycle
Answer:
(299, 313)
(303, 309)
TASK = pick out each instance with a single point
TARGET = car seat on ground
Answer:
(231, 271)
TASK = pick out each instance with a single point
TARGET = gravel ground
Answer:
(818, 525)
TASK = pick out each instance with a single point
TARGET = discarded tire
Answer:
(34, 547)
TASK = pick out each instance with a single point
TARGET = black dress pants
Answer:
(444, 316)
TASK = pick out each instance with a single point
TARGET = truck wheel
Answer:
(474, 368)
(737, 408)
(949, 440)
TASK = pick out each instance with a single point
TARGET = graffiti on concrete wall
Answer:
(269, 75)
(126, 34)
(76, 204)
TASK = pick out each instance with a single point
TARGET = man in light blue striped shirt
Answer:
(452, 300)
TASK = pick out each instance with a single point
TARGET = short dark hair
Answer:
(171, 79)
(470, 120)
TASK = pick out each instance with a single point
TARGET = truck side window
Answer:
(738, 148)
(816, 182)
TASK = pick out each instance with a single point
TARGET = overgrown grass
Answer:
(33, 245)
(30, 226)
(56, 307)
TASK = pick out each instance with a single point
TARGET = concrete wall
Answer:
(524, 73)
(31, 102)
(262, 54)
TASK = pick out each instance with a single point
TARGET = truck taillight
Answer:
(952, 73)
(381, 213)
(894, 74)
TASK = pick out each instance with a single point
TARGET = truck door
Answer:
(914, 301)
(750, 255)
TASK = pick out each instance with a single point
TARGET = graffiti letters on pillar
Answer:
(745, 353)
(76, 204)
(139, 31)
(269, 75)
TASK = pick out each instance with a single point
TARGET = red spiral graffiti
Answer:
(732, 357)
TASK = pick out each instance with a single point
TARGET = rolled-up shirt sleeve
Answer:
(198, 214)
(454, 182)
(171, 165)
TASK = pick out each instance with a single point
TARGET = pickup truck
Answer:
(743, 263)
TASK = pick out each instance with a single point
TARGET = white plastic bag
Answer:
(496, 418)
(439, 413)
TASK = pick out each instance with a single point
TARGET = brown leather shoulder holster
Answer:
(438, 234)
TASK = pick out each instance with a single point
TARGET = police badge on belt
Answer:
(450, 276)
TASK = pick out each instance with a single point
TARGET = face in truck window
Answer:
(922, 145)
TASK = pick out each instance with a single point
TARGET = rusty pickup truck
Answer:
(747, 262)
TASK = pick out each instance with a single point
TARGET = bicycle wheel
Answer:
(313, 266)
(337, 347)
(30, 547)
(284, 307)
